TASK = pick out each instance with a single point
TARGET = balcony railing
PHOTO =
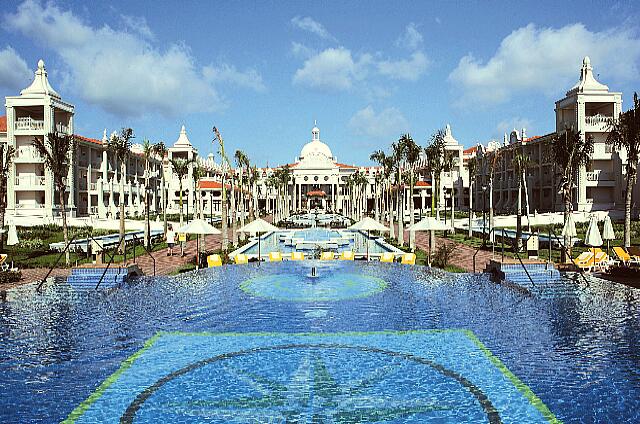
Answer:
(599, 176)
(598, 120)
(27, 123)
(93, 186)
(27, 152)
(30, 205)
(30, 180)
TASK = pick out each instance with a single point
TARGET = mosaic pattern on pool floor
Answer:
(444, 376)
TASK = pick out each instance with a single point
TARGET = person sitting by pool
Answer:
(171, 240)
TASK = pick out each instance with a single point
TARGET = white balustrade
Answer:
(30, 180)
(27, 123)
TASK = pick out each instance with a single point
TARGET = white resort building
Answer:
(317, 180)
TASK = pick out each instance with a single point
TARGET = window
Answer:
(326, 178)
(315, 178)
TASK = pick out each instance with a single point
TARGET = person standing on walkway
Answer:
(171, 240)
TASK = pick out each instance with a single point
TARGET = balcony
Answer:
(600, 178)
(597, 123)
(27, 154)
(27, 123)
(25, 182)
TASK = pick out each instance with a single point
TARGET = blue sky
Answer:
(367, 71)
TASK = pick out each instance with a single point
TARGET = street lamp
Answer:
(484, 215)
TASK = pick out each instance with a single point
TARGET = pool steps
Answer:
(535, 276)
(88, 278)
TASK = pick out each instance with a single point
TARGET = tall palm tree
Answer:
(472, 169)
(56, 150)
(226, 166)
(253, 180)
(625, 134)
(147, 154)
(412, 156)
(285, 178)
(160, 150)
(520, 165)
(198, 173)
(6, 158)
(434, 153)
(571, 150)
(399, 158)
(242, 162)
(180, 168)
(119, 146)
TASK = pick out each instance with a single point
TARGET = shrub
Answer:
(8, 277)
(443, 255)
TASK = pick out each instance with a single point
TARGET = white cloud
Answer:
(411, 38)
(546, 59)
(302, 51)
(332, 69)
(14, 72)
(138, 24)
(118, 70)
(405, 69)
(228, 73)
(310, 25)
(386, 123)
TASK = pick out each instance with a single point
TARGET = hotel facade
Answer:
(318, 180)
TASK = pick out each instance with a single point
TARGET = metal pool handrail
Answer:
(38, 289)
(148, 253)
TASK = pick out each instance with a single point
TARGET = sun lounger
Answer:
(347, 256)
(4, 266)
(214, 260)
(275, 257)
(297, 256)
(327, 256)
(409, 259)
(387, 257)
(625, 257)
(241, 259)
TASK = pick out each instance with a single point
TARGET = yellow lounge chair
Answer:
(347, 256)
(409, 259)
(3, 259)
(297, 256)
(625, 257)
(275, 257)
(602, 260)
(327, 256)
(241, 259)
(214, 260)
(584, 258)
(387, 257)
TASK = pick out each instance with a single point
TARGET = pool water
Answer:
(404, 345)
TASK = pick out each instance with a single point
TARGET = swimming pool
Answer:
(312, 239)
(365, 342)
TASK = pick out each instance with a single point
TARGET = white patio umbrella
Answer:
(12, 237)
(256, 227)
(368, 224)
(569, 228)
(430, 223)
(198, 227)
(593, 238)
(607, 232)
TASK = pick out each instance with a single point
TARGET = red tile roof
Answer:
(88, 140)
(344, 165)
(423, 184)
(210, 184)
(535, 137)
(470, 149)
(3, 123)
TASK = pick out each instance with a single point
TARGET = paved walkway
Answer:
(463, 255)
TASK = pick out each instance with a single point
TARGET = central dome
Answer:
(315, 146)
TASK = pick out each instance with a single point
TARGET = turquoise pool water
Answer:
(364, 342)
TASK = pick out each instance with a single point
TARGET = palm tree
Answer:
(198, 173)
(520, 165)
(399, 158)
(242, 162)
(161, 151)
(147, 154)
(180, 168)
(56, 150)
(570, 151)
(6, 157)
(119, 146)
(434, 153)
(412, 155)
(472, 168)
(253, 180)
(225, 168)
(625, 134)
